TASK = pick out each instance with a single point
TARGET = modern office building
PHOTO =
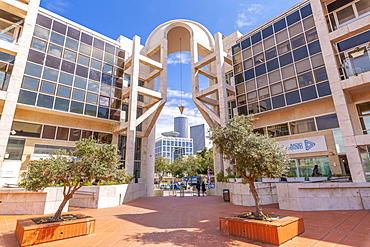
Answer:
(171, 146)
(197, 133)
(181, 125)
(305, 74)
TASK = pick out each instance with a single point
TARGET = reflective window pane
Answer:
(27, 97)
(327, 122)
(45, 101)
(47, 87)
(30, 83)
(62, 133)
(61, 104)
(48, 132)
(302, 126)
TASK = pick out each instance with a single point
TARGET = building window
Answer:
(364, 113)
(26, 129)
(302, 126)
(15, 149)
(278, 130)
(327, 122)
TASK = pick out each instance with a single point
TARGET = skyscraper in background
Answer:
(181, 126)
(197, 133)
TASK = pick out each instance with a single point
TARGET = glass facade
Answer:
(73, 71)
(304, 167)
(280, 65)
(173, 147)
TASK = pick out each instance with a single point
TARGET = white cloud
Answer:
(58, 6)
(177, 93)
(178, 57)
(249, 14)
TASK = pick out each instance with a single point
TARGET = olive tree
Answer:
(251, 154)
(88, 162)
(161, 165)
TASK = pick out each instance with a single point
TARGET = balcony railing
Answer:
(354, 62)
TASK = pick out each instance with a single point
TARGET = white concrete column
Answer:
(15, 81)
(339, 97)
(131, 130)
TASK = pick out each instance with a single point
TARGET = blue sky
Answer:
(140, 17)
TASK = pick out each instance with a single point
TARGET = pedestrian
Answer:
(204, 188)
(315, 171)
(198, 187)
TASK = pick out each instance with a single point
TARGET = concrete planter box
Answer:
(105, 196)
(317, 179)
(270, 180)
(238, 180)
(275, 232)
(29, 233)
(21, 201)
(295, 179)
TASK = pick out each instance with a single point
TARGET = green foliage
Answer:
(90, 161)
(221, 177)
(205, 160)
(252, 154)
(161, 164)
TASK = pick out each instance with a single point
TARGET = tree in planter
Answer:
(252, 154)
(161, 165)
(88, 162)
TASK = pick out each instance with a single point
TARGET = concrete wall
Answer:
(105, 196)
(241, 195)
(323, 196)
(20, 201)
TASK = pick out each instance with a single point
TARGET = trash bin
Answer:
(226, 195)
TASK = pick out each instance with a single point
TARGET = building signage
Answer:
(305, 145)
(10, 169)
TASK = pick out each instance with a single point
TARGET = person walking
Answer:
(204, 188)
(315, 172)
(198, 187)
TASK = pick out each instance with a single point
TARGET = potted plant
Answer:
(292, 178)
(253, 155)
(357, 52)
(89, 162)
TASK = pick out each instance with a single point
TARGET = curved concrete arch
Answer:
(196, 30)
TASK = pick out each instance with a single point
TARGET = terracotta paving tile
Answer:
(193, 221)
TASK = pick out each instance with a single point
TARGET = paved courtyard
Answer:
(193, 221)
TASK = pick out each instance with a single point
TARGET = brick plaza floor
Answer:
(193, 221)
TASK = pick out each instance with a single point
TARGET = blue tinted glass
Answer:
(256, 38)
(235, 48)
(80, 82)
(52, 62)
(82, 71)
(308, 93)
(47, 87)
(27, 97)
(78, 95)
(68, 67)
(324, 89)
(249, 74)
(292, 97)
(293, 18)
(272, 65)
(286, 59)
(246, 43)
(57, 38)
(278, 101)
(103, 112)
(106, 79)
(50, 74)
(260, 70)
(33, 69)
(30, 83)
(267, 32)
(306, 11)
(314, 47)
(239, 78)
(321, 75)
(354, 41)
(270, 53)
(45, 101)
(64, 91)
(36, 57)
(279, 25)
(77, 107)
(327, 122)
(66, 78)
(94, 75)
(90, 110)
(300, 53)
(61, 104)
(265, 105)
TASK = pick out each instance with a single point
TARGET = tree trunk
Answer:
(252, 188)
(61, 206)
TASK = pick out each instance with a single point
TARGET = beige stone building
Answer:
(304, 74)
